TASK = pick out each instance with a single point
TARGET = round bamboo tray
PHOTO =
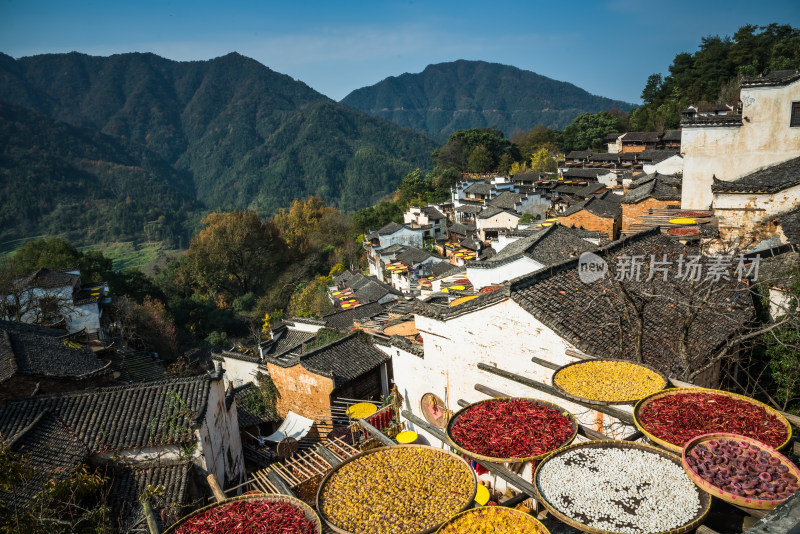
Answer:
(705, 498)
(432, 529)
(477, 456)
(601, 402)
(308, 512)
(747, 502)
(534, 523)
(674, 391)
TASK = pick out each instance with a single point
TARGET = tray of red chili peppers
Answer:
(511, 429)
(673, 417)
(251, 514)
(740, 470)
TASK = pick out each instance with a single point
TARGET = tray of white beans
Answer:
(620, 487)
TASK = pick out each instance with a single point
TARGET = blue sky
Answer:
(608, 48)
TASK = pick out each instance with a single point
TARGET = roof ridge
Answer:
(315, 350)
(526, 280)
(94, 391)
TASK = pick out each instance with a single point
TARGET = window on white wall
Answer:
(795, 120)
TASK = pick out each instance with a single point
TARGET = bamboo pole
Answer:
(216, 488)
(150, 516)
(377, 434)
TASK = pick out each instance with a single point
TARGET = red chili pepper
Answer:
(250, 517)
(511, 428)
(681, 417)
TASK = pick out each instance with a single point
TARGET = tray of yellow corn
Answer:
(608, 381)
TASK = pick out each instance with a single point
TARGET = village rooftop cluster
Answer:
(483, 295)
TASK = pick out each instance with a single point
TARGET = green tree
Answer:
(589, 130)
(234, 254)
(480, 160)
(52, 253)
(312, 299)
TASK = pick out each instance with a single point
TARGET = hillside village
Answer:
(481, 296)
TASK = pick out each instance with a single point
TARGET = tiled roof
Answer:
(343, 320)
(433, 213)
(591, 316)
(479, 188)
(122, 417)
(245, 416)
(584, 173)
(403, 344)
(38, 353)
(777, 270)
(790, 224)
(461, 229)
(128, 482)
(390, 228)
(469, 208)
(602, 206)
(672, 135)
(547, 247)
(342, 278)
(49, 279)
(506, 200)
(443, 269)
(392, 249)
(308, 320)
(655, 156)
(642, 137)
(287, 341)
(579, 154)
(413, 256)
(658, 187)
(137, 366)
(778, 77)
(52, 452)
(730, 120)
(590, 189)
(769, 180)
(373, 291)
(343, 360)
(492, 211)
(614, 136)
(606, 156)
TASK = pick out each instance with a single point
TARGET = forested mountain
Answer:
(60, 179)
(249, 137)
(464, 94)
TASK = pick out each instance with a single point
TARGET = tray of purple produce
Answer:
(740, 470)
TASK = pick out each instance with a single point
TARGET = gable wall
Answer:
(301, 391)
(763, 139)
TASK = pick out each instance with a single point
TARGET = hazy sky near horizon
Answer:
(608, 48)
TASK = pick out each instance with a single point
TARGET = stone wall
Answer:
(301, 391)
(590, 221)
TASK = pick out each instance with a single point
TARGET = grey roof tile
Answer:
(506, 200)
(343, 320)
(778, 77)
(584, 314)
(479, 188)
(769, 180)
(121, 417)
(344, 360)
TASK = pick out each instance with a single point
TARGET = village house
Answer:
(527, 254)
(493, 219)
(603, 176)
(57, 297)
(531, 203)
(729, 147)
(309, 383)
(551, 315)
(649, 201)
(756, 207)
(146, 432)
(597, 214)
(37, 360)
(428, 218)
(411, 265)
(478, 193)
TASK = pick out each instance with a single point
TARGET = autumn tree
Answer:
(147, 326)
(234, 254)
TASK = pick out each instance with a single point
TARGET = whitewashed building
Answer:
(728, 147)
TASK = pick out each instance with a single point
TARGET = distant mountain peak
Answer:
(449, 96)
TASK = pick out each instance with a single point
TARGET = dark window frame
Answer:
(794, 116)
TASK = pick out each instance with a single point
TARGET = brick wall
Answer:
(589, 221)
(631, 213)
(301, 391)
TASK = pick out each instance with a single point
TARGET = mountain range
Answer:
(138, 146)
(463, 94)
